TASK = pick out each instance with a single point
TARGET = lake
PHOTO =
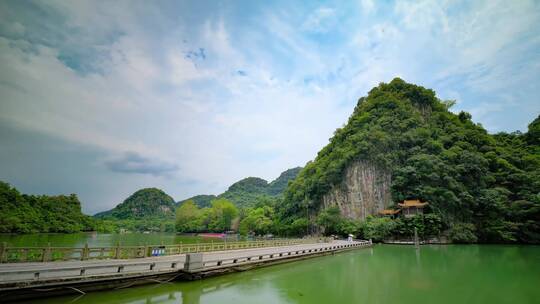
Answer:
(98, 239)
(382, 274)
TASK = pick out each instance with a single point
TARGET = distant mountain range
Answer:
(246, 192)
(155, 203)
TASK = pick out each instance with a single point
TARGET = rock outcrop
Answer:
(364, 190)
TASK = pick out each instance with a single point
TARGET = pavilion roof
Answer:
(389, 211)
(412, 203)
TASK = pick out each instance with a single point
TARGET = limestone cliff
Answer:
(364, 190)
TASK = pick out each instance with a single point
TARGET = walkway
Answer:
(26, 278)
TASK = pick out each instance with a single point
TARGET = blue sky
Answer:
(101, 98)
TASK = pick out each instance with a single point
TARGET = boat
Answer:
(212, 235)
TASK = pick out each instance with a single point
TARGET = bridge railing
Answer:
(247, 258)
(45, 254)
(10, 273)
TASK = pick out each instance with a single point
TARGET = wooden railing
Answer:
(46, 254)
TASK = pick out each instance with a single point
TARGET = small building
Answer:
(389, 212)
(411, 208)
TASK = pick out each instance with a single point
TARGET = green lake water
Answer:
(382, 274)
(97, 239)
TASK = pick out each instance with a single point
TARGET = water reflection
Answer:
(384, 274)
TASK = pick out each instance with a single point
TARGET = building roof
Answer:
(389, 211)
(412, 203)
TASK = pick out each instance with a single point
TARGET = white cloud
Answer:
(368, 6)
(320, 21)
(207, 133)
(478, 42)
(199, 120)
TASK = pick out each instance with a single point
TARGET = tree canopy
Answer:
(220, 217)
(23, 213)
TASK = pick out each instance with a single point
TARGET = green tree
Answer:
(463, 233)
(330, 219)
(298, 227)
(258, 221)
(377, 228)
(222, 213)
(188, 217)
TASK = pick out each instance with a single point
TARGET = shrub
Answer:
(463, 233)
(378, 229)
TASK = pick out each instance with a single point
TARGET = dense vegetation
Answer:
(202, 201)
(254, 200)
(152, 210)
(21, 213)
(222, 216)
(278, 186)
(148, 209)
(248, 191)
(144, 203)
(482, 186)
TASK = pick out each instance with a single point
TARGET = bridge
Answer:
(26, 280)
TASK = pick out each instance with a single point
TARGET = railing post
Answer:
(84, 255)
(47, 253)
(117, 253)
(3, 249)
(194, 261)
(24, 255)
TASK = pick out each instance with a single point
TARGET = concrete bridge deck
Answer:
(27, 280)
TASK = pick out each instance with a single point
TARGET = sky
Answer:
(102, 98)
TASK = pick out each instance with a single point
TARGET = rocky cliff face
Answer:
(364, 190)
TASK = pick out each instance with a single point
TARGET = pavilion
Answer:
(412, 207)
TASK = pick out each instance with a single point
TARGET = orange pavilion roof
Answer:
(389, 211)
(412, 203)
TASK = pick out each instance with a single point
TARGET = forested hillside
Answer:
(278, 186)
(23, 213)
(486, 186)
(247, 206)
(249, 191)
(144, 203)
(246, 192)
(202, 201)
(146, 209)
